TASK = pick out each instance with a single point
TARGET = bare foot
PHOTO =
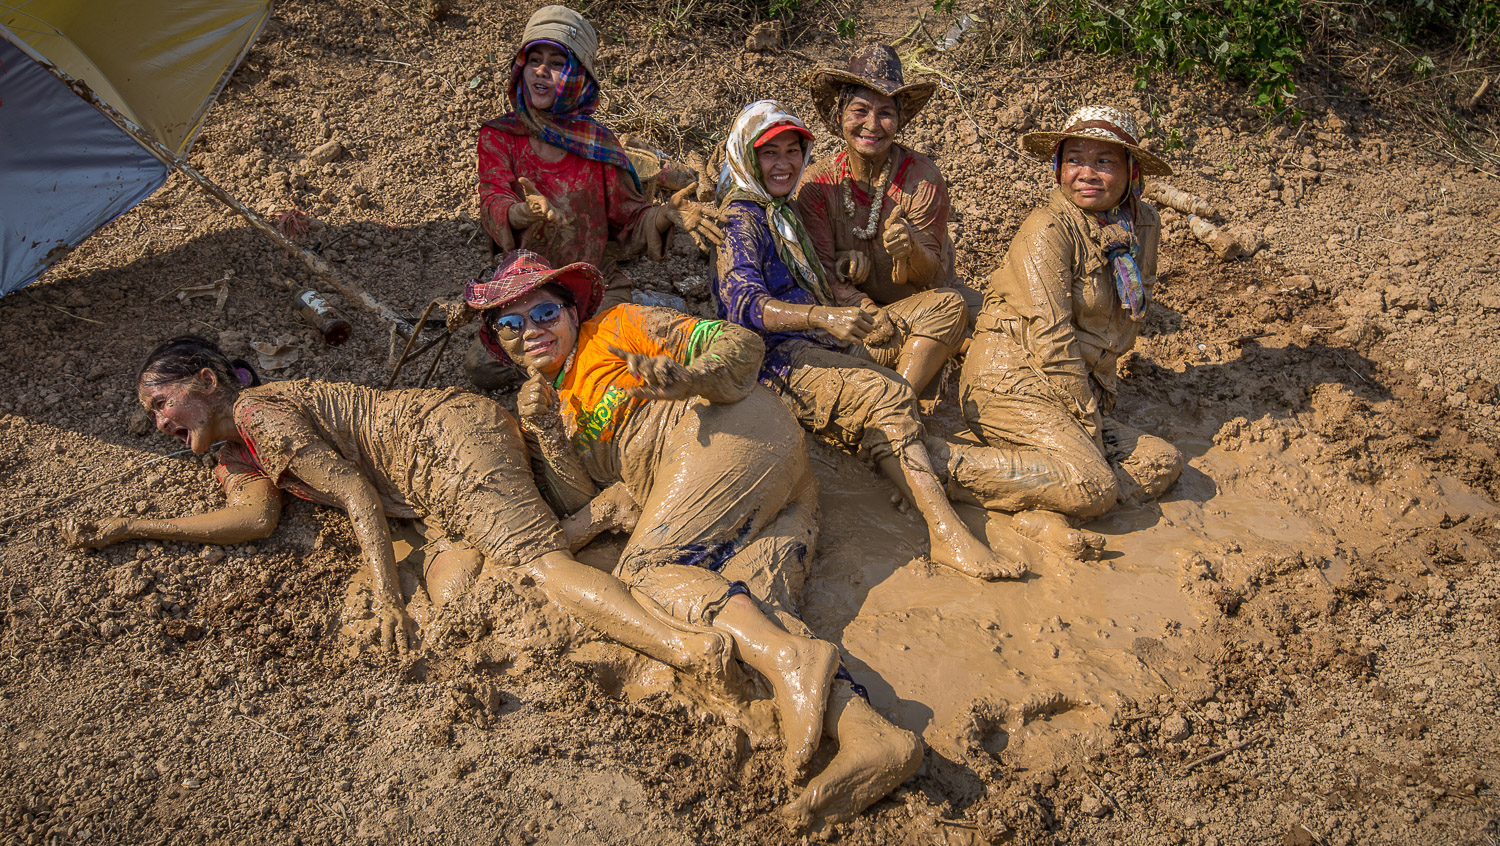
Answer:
(874, 757)
(800, 687)
(1051, 529)
(965, 553)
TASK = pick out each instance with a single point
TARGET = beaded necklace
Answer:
(876, 199)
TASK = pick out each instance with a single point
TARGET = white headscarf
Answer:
(741, 179)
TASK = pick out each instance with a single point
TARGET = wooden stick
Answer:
(1209, 759)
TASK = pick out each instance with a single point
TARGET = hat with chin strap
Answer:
(1097, 123)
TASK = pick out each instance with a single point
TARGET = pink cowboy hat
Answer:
(520, 272)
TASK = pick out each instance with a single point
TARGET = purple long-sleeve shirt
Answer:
(747, 274)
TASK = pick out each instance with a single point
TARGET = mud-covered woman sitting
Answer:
(1039, 381)
(451, 459)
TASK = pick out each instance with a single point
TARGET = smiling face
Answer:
(539, 77)
(186, 410)
(1094, 174)
(544, 347)
(780, 161)
(869, 123)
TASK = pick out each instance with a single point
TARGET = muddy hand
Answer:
(697, 219)
(94, 534)
(617, 508)
(897, 238)
(884, 329)
(660, 377)
(851, 323)
(538, 208)
(398, 631)
(537, 403)
(852, 268)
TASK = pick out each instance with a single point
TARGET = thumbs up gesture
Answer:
(537, 404)
(898, 244)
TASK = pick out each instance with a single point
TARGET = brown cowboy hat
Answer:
(1098, 123)
(876, 67)
(520, 272)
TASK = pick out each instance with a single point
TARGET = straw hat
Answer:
(876, 67)
(520, 272)
(566, 27)
(1099, 123)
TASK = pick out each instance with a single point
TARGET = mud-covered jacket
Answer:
(1054, 296)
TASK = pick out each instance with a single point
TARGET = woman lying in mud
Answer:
(877, 212)
(451, 459)
(669, 405)
(1065, 304)
(822, 357)
(555, 181)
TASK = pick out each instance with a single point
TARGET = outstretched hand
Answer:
(699, 220)
(94, 534)
(536, 208)
(660, 377)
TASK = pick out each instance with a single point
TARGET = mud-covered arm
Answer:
(559, 471)
(1040, 284)
(613, 510)
(927, 212)
(321, 468)
(252, 512)
(723, 360)
(635, 223)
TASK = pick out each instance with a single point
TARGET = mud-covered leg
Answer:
(874, 757)
(953, 544)
(1053, 531)
(800, 670)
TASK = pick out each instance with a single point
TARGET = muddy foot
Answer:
(966, 554)
(1051, 529)
(874, 757)
(801, 695)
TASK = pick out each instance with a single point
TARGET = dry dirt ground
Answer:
(1296, 645)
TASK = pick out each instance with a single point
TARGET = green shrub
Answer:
(1258, 42)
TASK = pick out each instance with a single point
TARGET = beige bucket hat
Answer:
(1100, 123)
(566, 27)
(876, 67)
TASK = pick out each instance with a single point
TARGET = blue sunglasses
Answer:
(541, 315)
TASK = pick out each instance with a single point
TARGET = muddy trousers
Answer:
(729, 505)
(1032, 452)
(846, 398)
(489, 374)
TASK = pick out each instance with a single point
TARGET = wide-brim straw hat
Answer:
(520, 272)
(1097, 123)
(564, 26)
(876, 67)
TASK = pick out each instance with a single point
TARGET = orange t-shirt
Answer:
(594, 388)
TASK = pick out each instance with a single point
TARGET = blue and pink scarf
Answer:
(1119, 242)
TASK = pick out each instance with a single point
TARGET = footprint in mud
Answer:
(980, 734)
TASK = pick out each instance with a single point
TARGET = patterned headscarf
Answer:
(741, 179)
(1117, 236)
(569, 123)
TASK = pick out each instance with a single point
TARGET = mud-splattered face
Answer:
(539, 78)
(185, 410)
(869, 123)
(1094, 174)
(780, 161)
(543, 347)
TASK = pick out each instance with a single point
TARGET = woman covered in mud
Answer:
(555, 181)
(453, 460)
(669, 405)
(877, 212)
(822, 357)
(1066, 303)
